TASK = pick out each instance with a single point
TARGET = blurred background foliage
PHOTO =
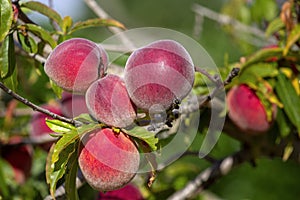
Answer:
(269, 179)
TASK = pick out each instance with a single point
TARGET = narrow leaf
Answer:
(95, 23)
(56, 89)
(70, 178)
(262, 55)
(288, 150)
(8, 63)
(58, 126)
(142, 134)
(284, 127)
(27, 43)
(59, 168)
(67, 24)
(292, 38)
(291, 101)
(65, 141)
(63, 150)
(6, 17)
(40, 32)
(274, 26)
(44, 10)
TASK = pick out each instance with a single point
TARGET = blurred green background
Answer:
(270, 179)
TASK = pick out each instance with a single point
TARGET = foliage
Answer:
(22, 41)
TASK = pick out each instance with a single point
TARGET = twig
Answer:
(208, 176)
(102, 14)
(227, 20)
(38, 108)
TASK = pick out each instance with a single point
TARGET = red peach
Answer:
(246, 110)
(128, 192)
(159, 73)
(107, 160)
(75, 64)
(108, 101)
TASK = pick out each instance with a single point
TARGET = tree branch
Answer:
(208, 176)
(227, 20)
(93, 5)
(38, 108)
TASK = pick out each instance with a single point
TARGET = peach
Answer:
(38, 127)
(108, 160)
(73, 105)
(247, 111)
(159, 73)
(19, 156)
(128, 192)
(75, 64)
(108, 102)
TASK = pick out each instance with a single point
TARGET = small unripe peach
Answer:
(108, 160)
(108, 101)
(128, 192)
(247, 111)
(75, 64)
(159, 73)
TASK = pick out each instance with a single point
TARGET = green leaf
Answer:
(290, 99)
(95, 23)
(8, 60)
(288, 150)
(58, 126)
(257, 71)
(6, 18)
(12, 81)
(70, 178)
(66, 140)
(45, 10)
(56, 89)
(292, 38)
(39, 32)
(142, 134)
(262, 55)
(27, 43)
(284, 127)
(63, 151)
(85, 118)
(274, 26)
(67, 24)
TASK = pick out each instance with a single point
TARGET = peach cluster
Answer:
(154, 75)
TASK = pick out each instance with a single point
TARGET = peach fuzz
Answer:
(108, 102)
(108, 160)
(159, 73)
(75, 64)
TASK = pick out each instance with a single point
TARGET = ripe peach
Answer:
(75, 64)
(247, 111)
(128, 192)
(108, 101)
(73, 105)
(19, 157)
(158, 74)
(38, 127)
(108, 161)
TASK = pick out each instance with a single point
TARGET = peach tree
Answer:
(72, 118)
